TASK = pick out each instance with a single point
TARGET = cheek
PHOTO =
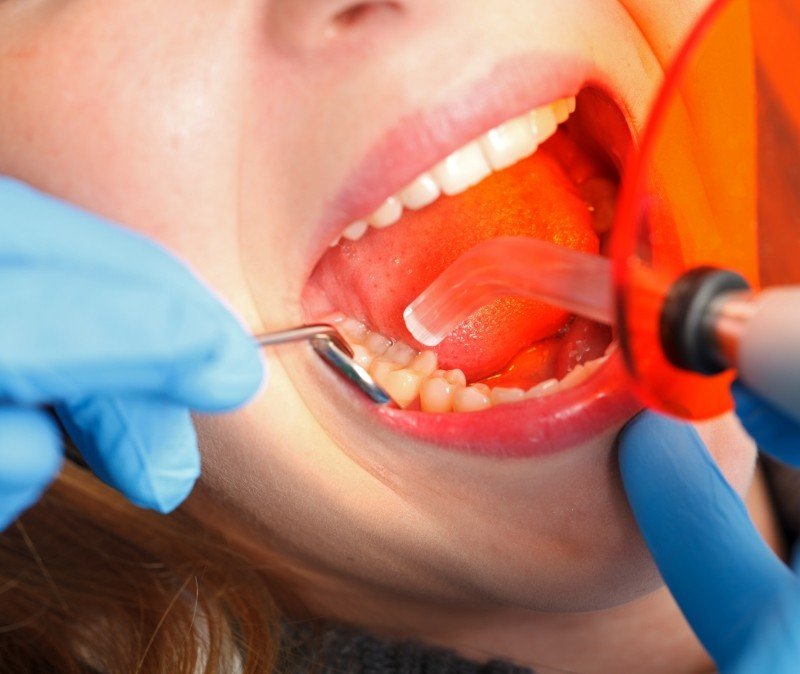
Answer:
(85, 100)
(132, 111)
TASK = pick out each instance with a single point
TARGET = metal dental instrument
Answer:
(333, 349)
(318, 331)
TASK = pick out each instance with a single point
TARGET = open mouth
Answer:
(518, 377)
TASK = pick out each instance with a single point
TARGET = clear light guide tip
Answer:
(511, 266)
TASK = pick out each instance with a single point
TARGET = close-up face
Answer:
(325, 160)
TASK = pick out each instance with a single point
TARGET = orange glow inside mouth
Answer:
(564, 193)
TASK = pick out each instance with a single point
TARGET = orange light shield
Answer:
(717, 182)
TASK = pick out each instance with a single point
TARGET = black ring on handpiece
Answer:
(686, 327)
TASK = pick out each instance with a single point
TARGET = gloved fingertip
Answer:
(237, 374)
(248, 371)
(31, 454)
(146, 448)
(744, 400)
(30, 458)
(164, 493)
(654, 432)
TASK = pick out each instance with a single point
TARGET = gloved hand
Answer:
(121, 340)
(740, 599)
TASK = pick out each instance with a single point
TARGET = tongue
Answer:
(375, 278)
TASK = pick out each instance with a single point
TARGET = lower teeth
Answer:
(414, 381)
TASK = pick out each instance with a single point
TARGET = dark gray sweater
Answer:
(341, 650)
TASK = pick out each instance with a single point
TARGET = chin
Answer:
(546, 532)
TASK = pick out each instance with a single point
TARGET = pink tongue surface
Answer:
(375, 278)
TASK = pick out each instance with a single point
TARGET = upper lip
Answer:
(414, 144)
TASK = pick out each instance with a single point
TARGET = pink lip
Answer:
(532, 428)
(422, 138)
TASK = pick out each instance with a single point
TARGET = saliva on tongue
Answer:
(512, 342)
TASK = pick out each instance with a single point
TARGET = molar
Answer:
(362, 355)
(543, 388)
(377, 343)
(400, 353)
(500, 395)
(456, 377)
(380, 368)
(403, 386)
(436, 395)
(354, 331)
(470, 399)
(425, 363)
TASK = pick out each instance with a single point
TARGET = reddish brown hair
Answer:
(90, 583)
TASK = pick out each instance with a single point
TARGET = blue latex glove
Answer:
(121, 340)
(740, 599)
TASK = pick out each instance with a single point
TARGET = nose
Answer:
(308, 26)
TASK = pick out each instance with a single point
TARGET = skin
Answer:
(208, 126)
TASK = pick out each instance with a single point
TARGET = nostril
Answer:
(361, 13)
(305, 26)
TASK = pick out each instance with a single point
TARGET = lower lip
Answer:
(535, 427)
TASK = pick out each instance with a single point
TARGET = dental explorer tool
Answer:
(329, 344)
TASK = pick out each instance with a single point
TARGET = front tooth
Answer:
(470, 399)
(436, 395)
(387, 213)
(462, 169)
(420, 192)
(403, 386)
(355, 231)
(509, 143)
(543, 122)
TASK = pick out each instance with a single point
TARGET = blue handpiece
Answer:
(741, 600)
(121, 339)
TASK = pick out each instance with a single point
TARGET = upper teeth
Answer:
(495, 150)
